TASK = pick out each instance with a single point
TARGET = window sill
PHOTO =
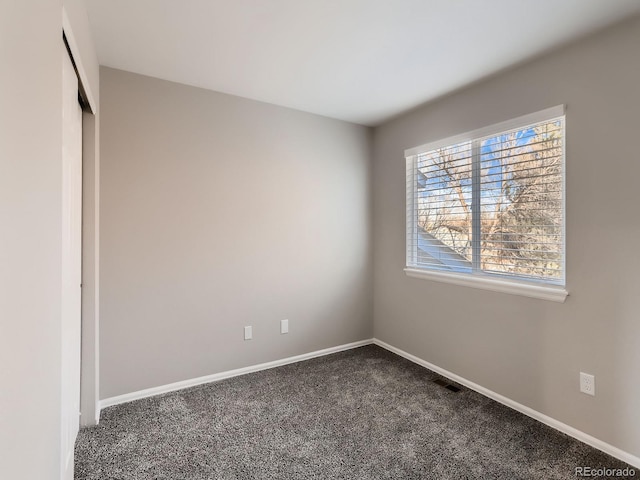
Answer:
(543, 292)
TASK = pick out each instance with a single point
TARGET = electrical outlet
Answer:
(248, 333)
(284, 326)
(587, 384)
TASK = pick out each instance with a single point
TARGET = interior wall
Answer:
(219, 212)
(30, 244)
(532, 350)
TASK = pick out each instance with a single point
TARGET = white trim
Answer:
(564, 200)
(412, 247)
(77, 59)
(150, 392)
(484, 282)
(529, 412)
(519, 123)
(553, 291)
(553, 423)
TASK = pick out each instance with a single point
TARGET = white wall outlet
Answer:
(284, 326)
(587, 384)
(248, 333)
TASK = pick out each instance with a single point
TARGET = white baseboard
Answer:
(150, 392)
(553, 423)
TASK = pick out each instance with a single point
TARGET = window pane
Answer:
(521, 202)
(443, 208)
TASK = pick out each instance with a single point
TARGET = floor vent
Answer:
(445, 384)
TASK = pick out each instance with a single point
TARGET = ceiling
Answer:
(363, 61)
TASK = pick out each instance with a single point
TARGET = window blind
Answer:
(491, 202)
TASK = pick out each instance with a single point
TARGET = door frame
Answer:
(89, 364)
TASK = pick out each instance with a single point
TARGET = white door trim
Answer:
(90, 243)
(71, 255)
(77, 60)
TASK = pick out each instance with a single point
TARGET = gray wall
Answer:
(532, 350)
(219, 212)
(30, 243)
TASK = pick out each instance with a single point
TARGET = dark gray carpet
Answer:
(361, 414)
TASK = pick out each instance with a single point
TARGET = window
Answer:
(486, 208)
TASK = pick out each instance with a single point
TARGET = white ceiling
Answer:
(362, 61)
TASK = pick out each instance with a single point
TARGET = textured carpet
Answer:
(361, 414)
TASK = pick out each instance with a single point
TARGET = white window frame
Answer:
(486, 281)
